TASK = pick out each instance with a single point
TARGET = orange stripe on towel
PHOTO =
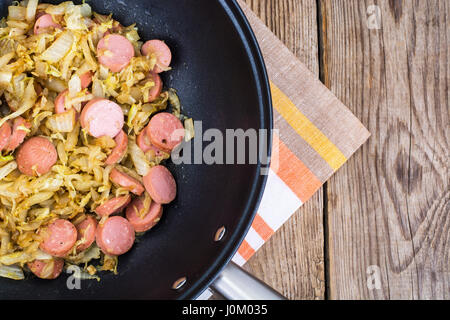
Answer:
(246, 251)
(293, 171)
(262, 228)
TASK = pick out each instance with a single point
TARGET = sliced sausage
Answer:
(36, 156)
(119, 150)
(86, 79)
(165, 131)
(160, 185)
(143, 142)
(5, 135)
(101, 117)
(113, 205)
(19, 132)
(125, 181)
(60, 100)
(154, 91)
(86, 231)
(154, 152)
(46, 269)
(45, 22)
(39, 14)
(150, 218)
(116, 236)
(115, 52)
(58, 238)
(162, 52)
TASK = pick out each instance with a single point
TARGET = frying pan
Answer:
(221, 79)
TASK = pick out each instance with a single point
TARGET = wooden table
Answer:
(380, 228)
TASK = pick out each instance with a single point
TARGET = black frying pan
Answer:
(221, 79)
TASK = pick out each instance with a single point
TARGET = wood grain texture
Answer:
(389, 206)
(292, 261)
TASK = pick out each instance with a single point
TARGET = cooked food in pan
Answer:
(85, 128)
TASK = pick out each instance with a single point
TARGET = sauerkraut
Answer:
(34, 69)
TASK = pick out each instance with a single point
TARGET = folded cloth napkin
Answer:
(315, 135)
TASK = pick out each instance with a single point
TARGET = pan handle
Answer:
(235, 283)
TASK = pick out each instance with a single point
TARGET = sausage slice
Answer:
(5, 135)
(150, 218)
(60, 100)
(165, 131)
(102, 117)
(19, 133)
(86, 79)
(119, 150)
(59, 238)
(46, 269)
(116, 236)
(162, 52)
(125, 181)
(45, 22)
(160, 185)
(113, 205)
(143, 141)
(115, 52)
(154, 91)
(36, 156)
(86, 231)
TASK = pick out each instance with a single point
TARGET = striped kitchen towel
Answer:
(317, 134)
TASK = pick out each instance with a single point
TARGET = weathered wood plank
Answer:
(292, 261)
(388, 207)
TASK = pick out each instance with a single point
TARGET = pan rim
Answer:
(253, 50)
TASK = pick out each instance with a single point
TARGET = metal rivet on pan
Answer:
(179, 283)
(220, 233)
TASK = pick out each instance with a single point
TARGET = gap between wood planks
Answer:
(388, 207)
(321, 32)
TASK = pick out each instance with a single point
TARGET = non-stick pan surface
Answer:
(221, 80)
